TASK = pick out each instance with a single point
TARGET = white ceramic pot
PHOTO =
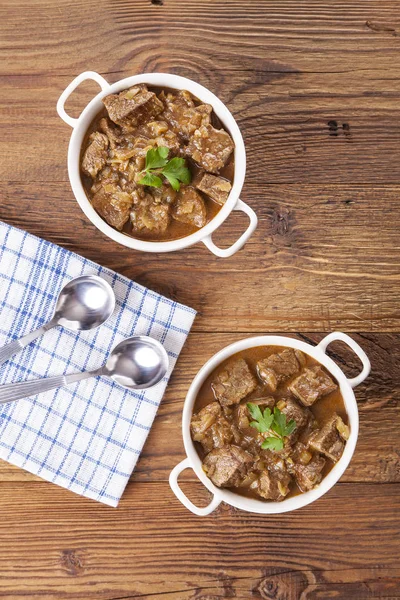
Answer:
(81, 125)
(249, 504)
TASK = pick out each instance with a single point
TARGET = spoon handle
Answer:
(25, 389)
(12, 348)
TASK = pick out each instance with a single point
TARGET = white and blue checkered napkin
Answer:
(86, 437)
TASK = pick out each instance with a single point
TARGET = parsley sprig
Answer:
(157, 163)
(272, 426)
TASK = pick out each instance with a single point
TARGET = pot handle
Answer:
(71, 87)
(343, 337)
(225, 252)
(173, 482)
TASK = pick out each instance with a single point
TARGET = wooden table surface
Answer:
(315, 88)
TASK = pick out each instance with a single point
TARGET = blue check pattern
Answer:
(86, 437)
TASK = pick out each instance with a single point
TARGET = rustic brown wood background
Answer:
(315, 88)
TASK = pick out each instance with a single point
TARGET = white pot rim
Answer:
(167, 80)
(289, 504)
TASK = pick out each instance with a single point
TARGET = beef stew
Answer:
(114, 158)
(269, 423)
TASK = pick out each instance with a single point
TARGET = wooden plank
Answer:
(272, 35)
(57, 546)
(323, 257)
(376, 459)
(298, 127)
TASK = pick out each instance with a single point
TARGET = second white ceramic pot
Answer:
(251, 504)
(166, 80)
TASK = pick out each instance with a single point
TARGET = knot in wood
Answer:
(281, 221)
(72, 562)
(283, 586)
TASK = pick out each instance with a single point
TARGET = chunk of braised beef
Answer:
(210, 148)
(300, 454)
(227, 466)
(211, 428)
(273, 482)
(113, 205)
(309, 475)
(271, 487)
(159, 134)
(113, 132)
(330, 439)
(165, 193)
(189, 207)
(278, 367)
(312, 384)
(133, 107)
(106, 177)
(242, 417)
(217, 188)
(182, 114)
(234, 382)
(95, 156)
(149, 216)
(203, 420)
(292, 410)
(169, 140)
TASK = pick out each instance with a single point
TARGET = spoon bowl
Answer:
(84, 303)
(137, 363)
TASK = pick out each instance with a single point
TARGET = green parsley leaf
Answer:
(279, 421)
(262, 421)
(173, 181)
(267, 418)
(260, 428)
(273, 424)
(272, 443)
(151, 180)
(163, 151)
(280, 426)
(255, 411)
(156, 158)
(176, 167)
(175, 170)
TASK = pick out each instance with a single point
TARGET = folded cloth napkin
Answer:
(88, 436)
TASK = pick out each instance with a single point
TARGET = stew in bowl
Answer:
(269, 424)
(156, 163)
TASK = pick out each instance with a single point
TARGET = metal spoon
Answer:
(135, 363)
(84, 303)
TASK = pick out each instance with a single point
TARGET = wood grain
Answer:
(322, 258)
(315, 88)
(277, 35)
(298, 127)
(78, 550)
